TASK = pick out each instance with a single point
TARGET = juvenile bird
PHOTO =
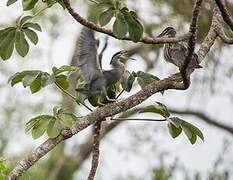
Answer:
(176, 53)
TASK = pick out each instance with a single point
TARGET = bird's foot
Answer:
(100, 103)
(111, 100)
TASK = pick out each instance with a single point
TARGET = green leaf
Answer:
(10, 2)
(36, 85)
(53, 130)
(34, 26)
(33, 121)
(193, 129)
(29, 78)
(67, 119)
(21, 44)
(39, 129)
(145, 79)
(47, 79)
(7, 37)
(106, 16)
(127, 81)
(29, 4)
(62, 69)
(192, 137)
(24, 19)
(158, 109)
(173, 130)
(61, 80)
(135, 28)
(32, 36)
(120, 27)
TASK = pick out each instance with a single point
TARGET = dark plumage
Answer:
(96, 79)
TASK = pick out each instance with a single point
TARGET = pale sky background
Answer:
(116, 157)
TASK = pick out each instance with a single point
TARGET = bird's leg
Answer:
(99, 102)
(108, 98)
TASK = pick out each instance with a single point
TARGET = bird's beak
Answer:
(124, 57)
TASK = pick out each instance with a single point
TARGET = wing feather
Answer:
(87, 56)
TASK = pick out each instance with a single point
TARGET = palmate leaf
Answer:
(50, 124)
(106, 16)
(29, 4)
(62, 69)
(145, 79)
(158, 109)
(135, 27)
(31, 35)
(127, 80)
(7, 39)
(31, 25)
(10, 2)
(176, 125)
(62, 81)
(21, 44)
(173, 130)
(120, 27)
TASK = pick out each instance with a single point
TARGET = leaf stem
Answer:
(120, 93)
(138, 119)
(71, 96)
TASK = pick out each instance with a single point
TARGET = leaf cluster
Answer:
(175, 124)
(36, 79)
(51, 124)
(18, 36)
(126, 21)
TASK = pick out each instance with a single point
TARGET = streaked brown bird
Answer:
(96, 79)
(176, 53)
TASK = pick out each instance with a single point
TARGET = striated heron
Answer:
(176, 53)
(96, 79)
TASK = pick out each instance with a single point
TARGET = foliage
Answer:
(3, 169)
(126, 21)
(175, 124)
(36, 79)
(51, 124)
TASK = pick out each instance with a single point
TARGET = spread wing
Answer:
(87, 56)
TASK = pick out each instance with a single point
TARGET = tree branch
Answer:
(95, 150)
(146, 40)
(191, 43)
(225, 14)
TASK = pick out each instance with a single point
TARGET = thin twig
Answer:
(122, 91)
(225, 14)
(95, 150)
(138, 119)
(71, 96)
(191, 43)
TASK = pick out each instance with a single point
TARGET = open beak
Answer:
(125, 57)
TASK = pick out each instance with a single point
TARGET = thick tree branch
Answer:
(204, 118)
(225, 14)
(146, 40)
(95, 150)
(191, 43)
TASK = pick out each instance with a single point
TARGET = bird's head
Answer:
(168, 32)
(121, 56)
